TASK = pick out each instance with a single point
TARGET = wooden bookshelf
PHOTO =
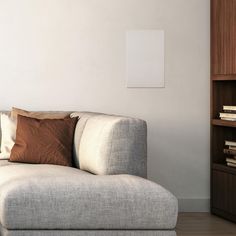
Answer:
(223, 92)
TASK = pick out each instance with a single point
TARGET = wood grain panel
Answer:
(225, 123)
(220, 187)
(223, 36)
(204, 224)
(232, 194)
(223, 77)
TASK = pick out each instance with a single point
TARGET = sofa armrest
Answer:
(114, 145)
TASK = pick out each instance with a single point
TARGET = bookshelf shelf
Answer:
(224, 168)
(223, 93)
(226, 123)
(224, 77)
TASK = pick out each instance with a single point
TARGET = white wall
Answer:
(70, 55)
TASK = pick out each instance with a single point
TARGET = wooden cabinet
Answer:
(223, 92)
(223, 189)
(220, 190)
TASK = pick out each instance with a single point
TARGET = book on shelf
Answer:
(231, 164)
(232, 148)
(231, 160)
(228, 119)
(230, 143)
(228, 115)
(229, 108)
(230, 152)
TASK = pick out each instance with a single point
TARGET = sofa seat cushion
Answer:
(58, 197)
(6, 163)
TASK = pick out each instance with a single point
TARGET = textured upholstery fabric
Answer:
(83, 118)
(36, 200)
(6, 163)
(57, 197)
(114, 145)
(8, 129)
(7, 113)
(5, 232)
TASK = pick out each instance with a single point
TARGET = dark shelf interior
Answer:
(223, 94)
(219, 135)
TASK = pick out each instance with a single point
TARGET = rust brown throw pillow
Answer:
(39, 115)
(44, 141)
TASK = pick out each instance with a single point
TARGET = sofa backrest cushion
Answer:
(108, 144)
(7, 113)
(83, 118)
(8, 137)
(113, 145)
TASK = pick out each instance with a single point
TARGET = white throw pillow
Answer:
(8, 129)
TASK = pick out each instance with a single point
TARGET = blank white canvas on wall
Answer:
(145, 58)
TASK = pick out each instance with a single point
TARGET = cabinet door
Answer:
(223, 36)
(224, 192)
(220, 190)
(232, 194)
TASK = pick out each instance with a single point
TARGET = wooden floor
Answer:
(204, 224)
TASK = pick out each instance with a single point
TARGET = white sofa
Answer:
(105, 194)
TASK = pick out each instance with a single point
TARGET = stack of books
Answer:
(231, 153)
(229, 113)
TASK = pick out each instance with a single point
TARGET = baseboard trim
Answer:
(194, 205)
